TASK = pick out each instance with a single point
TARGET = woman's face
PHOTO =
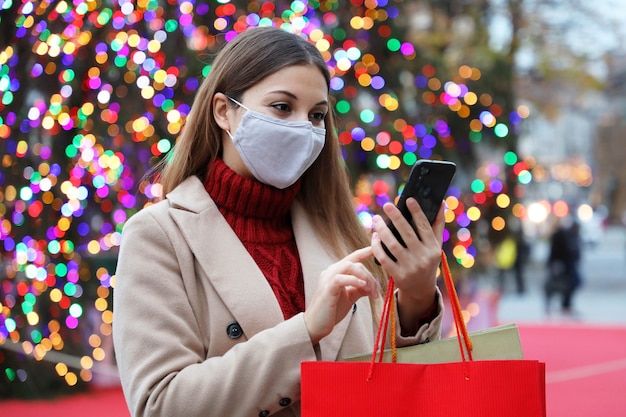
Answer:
(295, 93)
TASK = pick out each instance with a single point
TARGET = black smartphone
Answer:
(428, 183)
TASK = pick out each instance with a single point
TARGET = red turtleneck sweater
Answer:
(260, 216)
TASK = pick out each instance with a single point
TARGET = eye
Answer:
(318, 116)
(282, 107)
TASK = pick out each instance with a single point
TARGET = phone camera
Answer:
(424, 170)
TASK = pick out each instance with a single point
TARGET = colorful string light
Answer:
(85, 135)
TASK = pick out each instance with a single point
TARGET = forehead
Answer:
(300, 80)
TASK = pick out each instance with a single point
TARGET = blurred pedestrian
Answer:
(624, 224)
(511, 256)
(564, 276)
(521, 259)
(505, 256)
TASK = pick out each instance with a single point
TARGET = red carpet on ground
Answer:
(585, 367)
(585, 376)
(100, 402)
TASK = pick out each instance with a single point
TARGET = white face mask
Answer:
(277, 152)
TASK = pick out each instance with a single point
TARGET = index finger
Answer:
(360, 254)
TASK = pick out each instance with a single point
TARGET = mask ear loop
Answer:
(240, 105)
(237, 103)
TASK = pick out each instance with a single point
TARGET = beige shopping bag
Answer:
(500, 342)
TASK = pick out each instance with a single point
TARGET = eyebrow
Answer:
(323, 102)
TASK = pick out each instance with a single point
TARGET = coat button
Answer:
(264, 413)
(284, 402)
(234, 330)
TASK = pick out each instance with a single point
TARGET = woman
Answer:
(255, 261)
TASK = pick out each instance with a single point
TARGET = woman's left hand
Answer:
(415, 269)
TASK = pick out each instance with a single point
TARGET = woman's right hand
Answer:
(339, 287)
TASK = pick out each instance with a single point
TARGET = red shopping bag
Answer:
(481, 388)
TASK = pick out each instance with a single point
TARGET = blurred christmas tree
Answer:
(92, 93)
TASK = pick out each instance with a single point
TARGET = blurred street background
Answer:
(601, 300)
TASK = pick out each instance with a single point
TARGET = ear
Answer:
(220, 111)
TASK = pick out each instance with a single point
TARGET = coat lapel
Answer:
(224, 259)
(315, 259)
(233, 272)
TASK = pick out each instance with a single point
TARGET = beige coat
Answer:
(197, 328)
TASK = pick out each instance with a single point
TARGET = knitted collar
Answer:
(247, 197)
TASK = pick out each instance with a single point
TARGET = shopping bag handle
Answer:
(388, 315)
(459, 323)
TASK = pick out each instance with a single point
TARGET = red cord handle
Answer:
(389, 310)
(461, 329)
(381, 335)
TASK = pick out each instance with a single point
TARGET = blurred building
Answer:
(610, 153)
(576, 138)
(560, 137)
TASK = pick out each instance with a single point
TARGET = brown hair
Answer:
(250, 57)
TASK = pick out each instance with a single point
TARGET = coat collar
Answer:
(233, 272)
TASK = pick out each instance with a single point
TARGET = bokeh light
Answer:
(109, 99)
